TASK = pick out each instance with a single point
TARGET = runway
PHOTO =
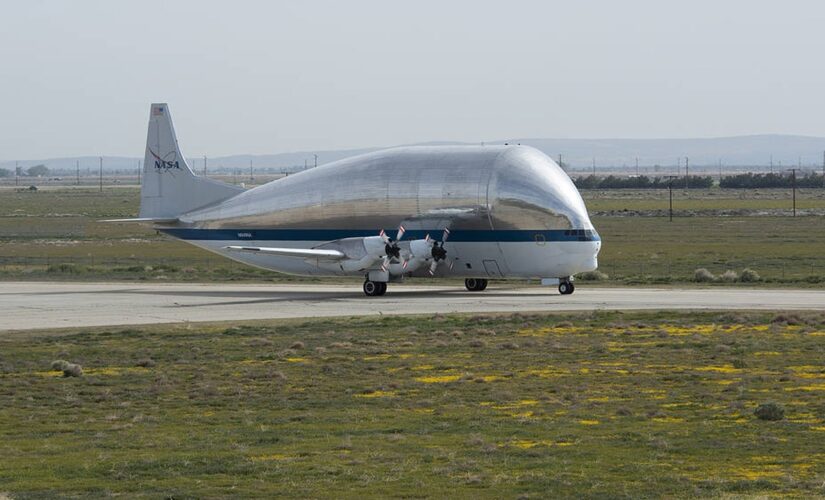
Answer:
(25, 306)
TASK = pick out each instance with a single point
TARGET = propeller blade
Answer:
(401, 231)
(427, 238)
(384, 237)
(432, 267)
(445, 235)
(385, 266)
(451, 265)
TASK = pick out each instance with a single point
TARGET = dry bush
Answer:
(72, 370)
(145, 363)
(59, 365)
(702, 275)
(729, 276)
(477, 343)
(259, 342)
(508, 345)
(340, 345)
(297, 345)
(786, 319)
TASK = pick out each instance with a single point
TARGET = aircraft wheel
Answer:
(475, 285)
(373, 288)
(566, 288)
(382, 288)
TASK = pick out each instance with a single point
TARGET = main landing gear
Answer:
(566, 288)
(375, 288)
(475, 285)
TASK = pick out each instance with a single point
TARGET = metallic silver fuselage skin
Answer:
(504, 204)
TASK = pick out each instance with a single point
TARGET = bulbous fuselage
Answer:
(511, 210)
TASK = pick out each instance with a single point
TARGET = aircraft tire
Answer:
(382, 288)
(475, 285)
(566, 288)
(372, 288)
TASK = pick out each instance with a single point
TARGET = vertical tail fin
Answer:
(170, 188)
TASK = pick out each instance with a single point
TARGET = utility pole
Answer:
(771, 163)
(670, 194)
(77, 174)
(793, 184)
(204, 165)
(720, 170)
(139, 169)
(561, 165)
(16, 173)
(316, 161)
(594, 166)
(637, 166)
(686, 173)
(250, 171)
(101, 174)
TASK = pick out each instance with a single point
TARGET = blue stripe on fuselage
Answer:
(457, 235)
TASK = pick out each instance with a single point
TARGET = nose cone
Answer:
(528, 190)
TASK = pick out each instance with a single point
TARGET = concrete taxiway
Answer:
(25, 306)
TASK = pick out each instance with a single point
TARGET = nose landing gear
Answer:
(566, 288)
(475, 285)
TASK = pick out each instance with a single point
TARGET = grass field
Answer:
(54, 234)
(525, 406)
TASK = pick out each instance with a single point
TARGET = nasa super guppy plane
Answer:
(474, 212)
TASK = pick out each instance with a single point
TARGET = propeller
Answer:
(391, 248)
(415, 249)
(439, 253)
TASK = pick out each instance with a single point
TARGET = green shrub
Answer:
(592, 276)
(66, 268)
(749, 276)
(769, 411)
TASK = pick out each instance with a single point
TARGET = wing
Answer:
(304, 253)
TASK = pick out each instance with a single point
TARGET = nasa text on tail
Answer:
(476, 212)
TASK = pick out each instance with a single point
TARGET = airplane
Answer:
(473, 212)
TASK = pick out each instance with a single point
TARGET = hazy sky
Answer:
(77, 77)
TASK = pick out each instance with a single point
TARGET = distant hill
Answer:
(754, 150)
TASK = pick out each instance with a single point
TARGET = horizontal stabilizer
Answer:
(306, 253)
(154, 220)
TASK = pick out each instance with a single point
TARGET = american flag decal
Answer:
(157, 111)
